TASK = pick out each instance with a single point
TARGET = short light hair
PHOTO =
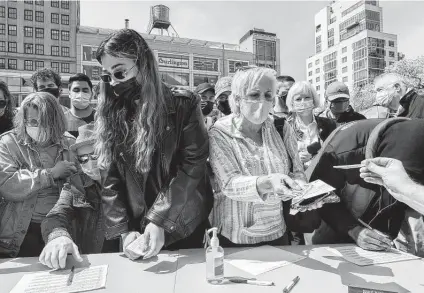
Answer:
(244, 80)
(302, 87)
(393, 77)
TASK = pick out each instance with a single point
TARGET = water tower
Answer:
(159, 19)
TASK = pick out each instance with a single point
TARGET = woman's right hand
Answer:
(127, 239)
(279, 184)
(63, 169)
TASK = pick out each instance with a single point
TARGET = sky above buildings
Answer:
(292, 21)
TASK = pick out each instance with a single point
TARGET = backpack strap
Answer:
(279, 124)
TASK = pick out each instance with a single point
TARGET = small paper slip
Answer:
(138, 246)
(313, 189)
(85, 279)
(262, 259)
(362, 257)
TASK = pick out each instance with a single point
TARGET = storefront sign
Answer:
(173, 62)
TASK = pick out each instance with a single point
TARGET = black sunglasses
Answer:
(119, 75)
(32, 122)
(84, 158)
(3, 103)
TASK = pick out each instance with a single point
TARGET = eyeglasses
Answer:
(32, 123)
(3, 104)
(85, 158)
(118, 75)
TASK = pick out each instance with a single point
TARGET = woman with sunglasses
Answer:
(153, 143)
(35, 161)
(6, 108)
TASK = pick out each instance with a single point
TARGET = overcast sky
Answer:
(292, 21)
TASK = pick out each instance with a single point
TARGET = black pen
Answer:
(71, 276)
(291, 285)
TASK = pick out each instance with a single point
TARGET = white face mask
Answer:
(257, 112)
(303, 106)
(36, 134)
(90, 168)
(80, 100)
(386, 99)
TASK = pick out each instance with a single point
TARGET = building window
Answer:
(310, 65)
(330, 33)
(55, 18)
(65, 51)
(39, 65)
(333, 20)
(55, 66)
(39, 49)
(232, 65)
(330, 42)
(2, 11)
(28, 48)
(29, 2)
(201, 78)
(318, 79)
(344, 49)
(2, 29)
(39, 16)
(310, 81)
(318, 48)
(318, 40)
(65, 19)
(12, 13)
(39, 2)
(65, 35)
(318, 28)
(12, 64)
(39, 33)
(55, 35)
(391, 63)
(391, 54)
(310, 73)
(28, 31)
(55, 51)
(65, 67)
(169, 77)
(345, 79)
(205, 64)
(28, 14)
(29, 65)
(2, 46)
(55, 4)
(12, 30)
(2, 63)
(317, 70)
(344, 60)
(391, 43)
(318, 87)
(317, 62)
(13, 47)
(344, 69)
(65, 4)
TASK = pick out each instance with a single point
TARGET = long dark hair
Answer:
(113, 125)
(8, 110)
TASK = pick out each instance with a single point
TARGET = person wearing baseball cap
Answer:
(206, 91)
(338, 107)
(222, 91)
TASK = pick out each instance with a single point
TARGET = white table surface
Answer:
(184, 272)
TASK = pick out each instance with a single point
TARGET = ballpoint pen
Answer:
(251, 282)
(356, 166)
(290, 286)
(376, 231)
(71, 276)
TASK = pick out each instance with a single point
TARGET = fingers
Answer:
(378, 239)
(380, 161)
(290, 183)
(47, 260)
(75, 253)
(374, 181)
(62, 257)
(152, 248)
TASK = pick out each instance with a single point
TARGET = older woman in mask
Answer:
(35, 161)
(310, 130)
(256, 165)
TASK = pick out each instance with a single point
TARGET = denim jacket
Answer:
(22, 179)
(77, 215)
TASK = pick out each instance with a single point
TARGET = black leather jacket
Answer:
(176, 193)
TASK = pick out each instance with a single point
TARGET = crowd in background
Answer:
(162, 164)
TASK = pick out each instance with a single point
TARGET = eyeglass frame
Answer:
(91, 156)
(124, 73)
(30, 122)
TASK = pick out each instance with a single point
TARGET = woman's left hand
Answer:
(155, 239)
(305, 157)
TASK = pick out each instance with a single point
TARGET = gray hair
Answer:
(244, 80)
(302, 87)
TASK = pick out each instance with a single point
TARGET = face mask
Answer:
(80, 100)
(224, 106)
(54, 91)
(90, 168)
(339, 107)
(35, 133)
(303, 106)
(207, 107)
(129, 89)
(256, 113)
(386, 100)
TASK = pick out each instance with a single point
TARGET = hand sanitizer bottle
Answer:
(214, 260)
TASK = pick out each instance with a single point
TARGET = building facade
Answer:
(350, 45)
(33, 35)
(182, 62)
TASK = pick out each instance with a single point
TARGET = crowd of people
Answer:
(163, 163)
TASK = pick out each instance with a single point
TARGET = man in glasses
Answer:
(48, 80)
(81, 112)
(84, 207)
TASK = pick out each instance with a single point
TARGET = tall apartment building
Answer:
(36, 34)
(350, 45)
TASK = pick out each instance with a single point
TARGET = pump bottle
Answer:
(214, 260)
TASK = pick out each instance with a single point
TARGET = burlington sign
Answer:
(173, 62)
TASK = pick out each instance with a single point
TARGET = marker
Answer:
(251, 282)
(71, 276)
(356, 166)
(290, 286)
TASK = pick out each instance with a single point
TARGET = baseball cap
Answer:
(223, 85)
(337, 90)
(203, 87)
